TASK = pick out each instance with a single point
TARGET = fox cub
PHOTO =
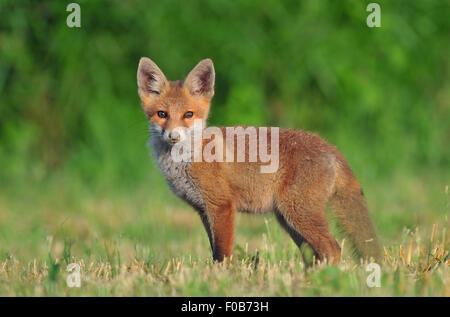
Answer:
(310, 173)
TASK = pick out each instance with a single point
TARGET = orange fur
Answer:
(311, 172)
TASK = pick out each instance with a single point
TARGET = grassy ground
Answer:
(147, 243)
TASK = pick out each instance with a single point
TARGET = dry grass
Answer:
(142, 244)
(417, 267)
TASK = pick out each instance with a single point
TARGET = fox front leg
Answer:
(219, 224)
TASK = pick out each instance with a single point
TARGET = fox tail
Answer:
(349, 205)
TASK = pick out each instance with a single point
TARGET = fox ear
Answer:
(200, 81)
(150, 79)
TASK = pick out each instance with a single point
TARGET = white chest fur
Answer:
(176, 173)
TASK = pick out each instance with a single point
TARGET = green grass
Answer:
(146, 242)
(76, 183)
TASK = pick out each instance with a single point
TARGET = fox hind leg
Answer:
(295, 235)
(308, 224)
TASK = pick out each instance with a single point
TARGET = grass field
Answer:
(145, 242)
(77, 184)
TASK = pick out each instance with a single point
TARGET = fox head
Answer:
(175, 104)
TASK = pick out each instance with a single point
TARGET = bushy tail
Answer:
(350, 208)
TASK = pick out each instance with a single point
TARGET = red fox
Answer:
(310, 172)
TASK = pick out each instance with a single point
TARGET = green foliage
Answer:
(69, 101)
(76, 182)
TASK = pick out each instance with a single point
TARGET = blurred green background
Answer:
(71, 125)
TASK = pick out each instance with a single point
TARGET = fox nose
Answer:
(174, 137)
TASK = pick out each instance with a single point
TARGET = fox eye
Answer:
(189, 114)
(162, 114)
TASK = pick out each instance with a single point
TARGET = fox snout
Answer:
(173, 136)
(170, 135)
